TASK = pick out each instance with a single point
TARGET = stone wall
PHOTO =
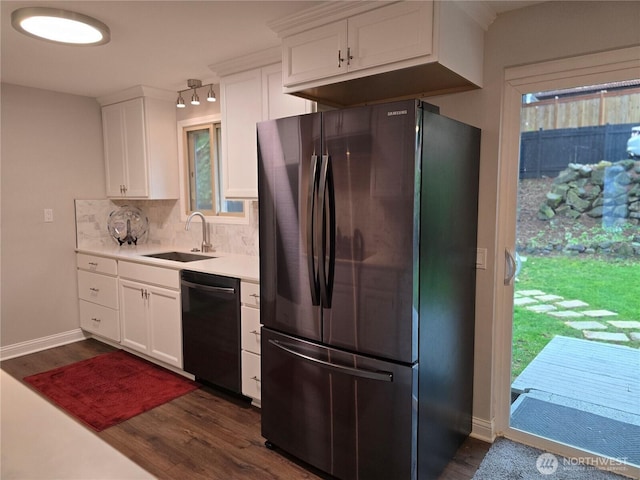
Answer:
(607, 191)
(606, 194)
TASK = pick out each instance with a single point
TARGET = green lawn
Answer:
(610, 285)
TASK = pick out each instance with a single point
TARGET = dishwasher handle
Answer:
(208, 288)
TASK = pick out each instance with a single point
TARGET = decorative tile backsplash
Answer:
(165, 226)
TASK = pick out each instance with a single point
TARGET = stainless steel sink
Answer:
(179, 256)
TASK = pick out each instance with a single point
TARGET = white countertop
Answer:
(40, 441)
(244, 267)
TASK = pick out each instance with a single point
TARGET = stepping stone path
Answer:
(625, 324)
(556, 306)
(586, 325)
(613, 337)
(566, 314)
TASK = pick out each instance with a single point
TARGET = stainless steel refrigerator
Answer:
(368, 220)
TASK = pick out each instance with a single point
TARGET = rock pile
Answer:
(610, 191)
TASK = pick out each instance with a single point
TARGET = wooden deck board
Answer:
(594, 372)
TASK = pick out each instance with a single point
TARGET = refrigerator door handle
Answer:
(311, 253)
(327, 238)
(354, 372)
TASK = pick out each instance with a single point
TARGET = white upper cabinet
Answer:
(247, 97)
(241, 109)
(350, 53)
(140, 147)
(276, 104)
(387, 35)
(316, 53)
(379, 37)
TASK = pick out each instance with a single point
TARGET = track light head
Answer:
(211, 96)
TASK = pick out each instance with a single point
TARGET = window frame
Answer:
(228, 218)
(190, 166)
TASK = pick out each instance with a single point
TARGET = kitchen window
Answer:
(200, 158)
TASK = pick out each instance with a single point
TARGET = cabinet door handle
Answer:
(93, 289)
(255, 332)
(255, 378)
(349, 56)
(96, 319)
(340, 59)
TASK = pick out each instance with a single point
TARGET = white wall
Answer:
(51, 154)
(547, 31)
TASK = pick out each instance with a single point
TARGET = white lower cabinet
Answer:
(99, 320)
(98, 296)
(251, 376)
(150, 314)
(250, 340)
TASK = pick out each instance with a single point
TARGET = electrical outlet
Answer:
(48, 215)
(481, 258)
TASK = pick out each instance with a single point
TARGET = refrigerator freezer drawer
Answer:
(353, 416)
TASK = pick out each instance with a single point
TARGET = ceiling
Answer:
(155, 43)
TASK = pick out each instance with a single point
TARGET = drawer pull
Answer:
(93, 264)
(255, 378)
(255, 296)
(255, 332)
(96, 319)
(93, 289)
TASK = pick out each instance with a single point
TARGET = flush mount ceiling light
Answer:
(60, 26)
(194, 85)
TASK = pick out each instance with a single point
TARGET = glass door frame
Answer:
(592, 69)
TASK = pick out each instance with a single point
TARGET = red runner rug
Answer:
(108, 389)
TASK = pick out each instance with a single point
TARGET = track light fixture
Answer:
(194, 85)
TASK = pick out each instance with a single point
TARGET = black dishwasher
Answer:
(211, 328)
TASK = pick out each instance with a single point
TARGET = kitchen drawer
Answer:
(250, 294)
(100, 320)
(250, 329)
(97, 288)
(251, 375)
(92, 263)
(164, 277)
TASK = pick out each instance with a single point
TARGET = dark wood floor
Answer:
(204, 434)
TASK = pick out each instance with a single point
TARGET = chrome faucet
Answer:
(206, 245)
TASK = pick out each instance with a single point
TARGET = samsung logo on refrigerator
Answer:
(396, 112)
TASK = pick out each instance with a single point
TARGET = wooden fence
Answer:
(545, 153)
(601, 108)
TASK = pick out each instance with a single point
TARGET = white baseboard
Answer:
(483, 429)
(39, 344)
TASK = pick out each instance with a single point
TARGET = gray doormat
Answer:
(585, 430)
(507, 460)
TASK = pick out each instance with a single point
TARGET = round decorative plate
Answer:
(128, 225)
